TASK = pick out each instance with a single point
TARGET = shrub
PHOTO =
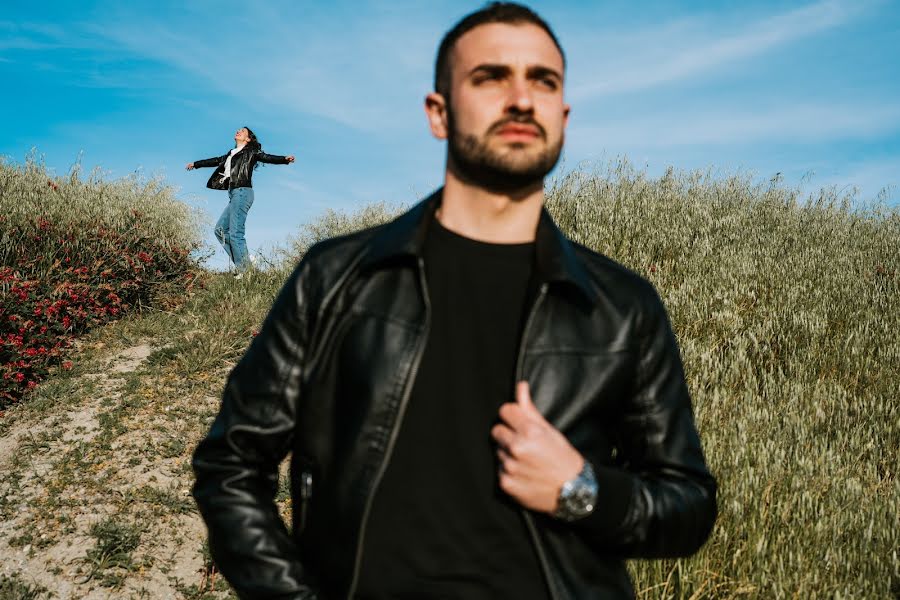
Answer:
(335, 223)
(75, 254)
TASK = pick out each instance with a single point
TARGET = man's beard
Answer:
(478, 163)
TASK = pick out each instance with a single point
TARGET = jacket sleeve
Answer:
(236, 465)
(659, 500)
(274, 159)
(209, 162)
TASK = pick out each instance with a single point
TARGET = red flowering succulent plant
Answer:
(53, 290)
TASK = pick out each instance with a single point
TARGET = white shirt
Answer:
(227, 173)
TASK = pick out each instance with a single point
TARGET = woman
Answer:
(234, 172)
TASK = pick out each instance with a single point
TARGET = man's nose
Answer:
(520, 99)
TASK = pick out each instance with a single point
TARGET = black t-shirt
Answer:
(440, 527)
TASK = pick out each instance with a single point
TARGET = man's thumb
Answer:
(523, 396)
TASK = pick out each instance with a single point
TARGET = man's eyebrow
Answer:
(534, 72)
(538, 72)
(491, 69)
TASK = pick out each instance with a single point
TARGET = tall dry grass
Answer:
(141, 211)
(787, 310)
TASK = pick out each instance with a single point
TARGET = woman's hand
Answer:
(290, 158)
(189, 166)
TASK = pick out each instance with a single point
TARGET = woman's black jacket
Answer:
(242, 164)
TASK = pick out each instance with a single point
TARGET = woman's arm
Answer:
(206, 162)
(274, 159)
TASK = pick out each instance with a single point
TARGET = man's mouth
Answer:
(519, 132)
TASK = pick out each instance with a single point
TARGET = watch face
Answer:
(583, 500)
(577, 497)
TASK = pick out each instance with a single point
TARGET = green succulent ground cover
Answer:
(786, 309)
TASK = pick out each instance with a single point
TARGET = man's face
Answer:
(505, 116)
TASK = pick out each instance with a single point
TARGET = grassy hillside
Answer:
(787, 311)
(76, 253)
(787, 314)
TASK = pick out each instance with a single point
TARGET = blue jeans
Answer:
(230, 227)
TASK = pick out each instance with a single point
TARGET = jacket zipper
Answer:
(393, 437)
(529, 521)
(306, 485)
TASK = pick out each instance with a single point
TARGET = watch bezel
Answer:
(577, 497)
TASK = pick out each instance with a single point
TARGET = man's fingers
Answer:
(509, 484)
(514, 416)
(503, 435)
(507, 462)
(520, 445)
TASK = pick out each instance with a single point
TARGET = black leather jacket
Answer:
(242, 164)
(328, 378)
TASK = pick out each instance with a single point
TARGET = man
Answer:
(476, 407)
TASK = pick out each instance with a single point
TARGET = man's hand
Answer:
(535, 458)
(290, 158)
(189, 166)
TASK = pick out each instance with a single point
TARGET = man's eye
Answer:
(487, 77)
(549, 83)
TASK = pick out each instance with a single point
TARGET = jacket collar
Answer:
(556, 261)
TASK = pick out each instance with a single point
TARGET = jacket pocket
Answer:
(215, 181)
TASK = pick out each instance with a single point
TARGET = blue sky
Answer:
(807, 89)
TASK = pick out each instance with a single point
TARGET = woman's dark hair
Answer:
(253, 144)
(509, 13)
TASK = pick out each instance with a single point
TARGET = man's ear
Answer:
(566, 110)
(436, 111)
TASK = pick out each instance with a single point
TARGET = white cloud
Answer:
(868, 177)
(641, 60)
(355, 72)
(791, 122)
(38, 36)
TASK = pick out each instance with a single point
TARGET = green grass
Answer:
(110, 560)
(13, 588)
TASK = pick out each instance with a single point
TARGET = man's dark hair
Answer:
(495, 12)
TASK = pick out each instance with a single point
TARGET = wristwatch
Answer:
(578, 496)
